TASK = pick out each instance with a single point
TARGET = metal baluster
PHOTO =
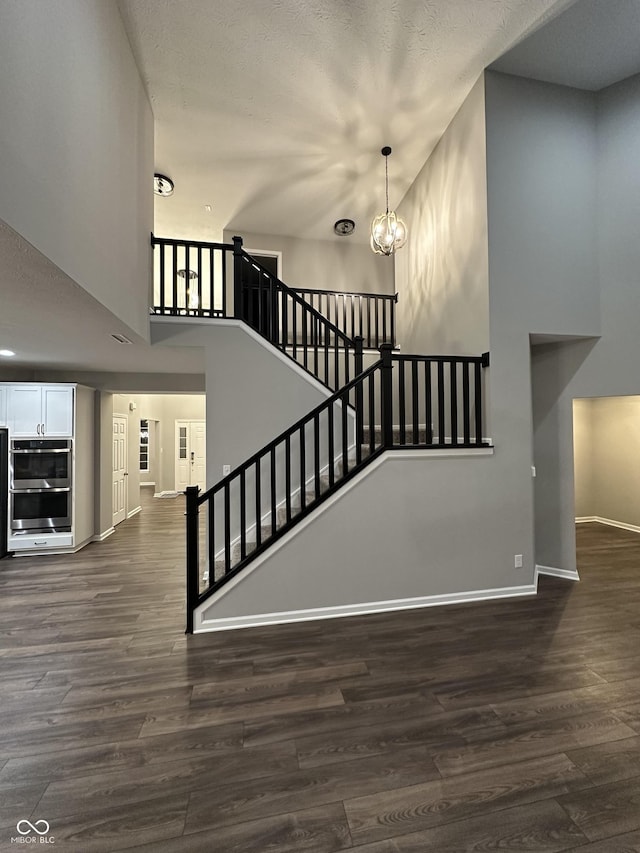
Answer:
(372, 414)
(243, 515)
(303, 474)
(453, 381)
(403, 425)
(414, 395)
(274, 501)
(466, 413)
(327, 335)
(224, 281)
(315, 345)
(331, 448)
(377, 326)
(163, 301)
(478, 400)
(304, 336)
(345, 437)
(227, 529)
(316, 452)
(212, 538)
(428, 414)
(384, 324)
(175, 278)
(393, 322)
(287, 476)
(440, 403)
(295, 328)
(258, 500)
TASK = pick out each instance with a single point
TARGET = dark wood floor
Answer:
(512, 725)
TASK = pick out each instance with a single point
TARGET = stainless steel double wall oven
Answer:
(40, 485)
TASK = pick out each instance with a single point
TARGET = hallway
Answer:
(395, 733)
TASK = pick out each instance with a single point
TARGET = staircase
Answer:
(401, 401)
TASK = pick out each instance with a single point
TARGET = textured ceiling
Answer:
(591, 45)
(274, 113)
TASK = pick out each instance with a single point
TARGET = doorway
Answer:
(191, 462)
(255, 288)
(119, 468)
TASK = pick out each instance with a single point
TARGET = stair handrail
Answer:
(372, 393)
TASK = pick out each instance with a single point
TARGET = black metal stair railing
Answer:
(371, 316)
(221, 281)
(286, 320)
(402, 401)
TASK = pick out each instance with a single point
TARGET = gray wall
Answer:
(253, 393)
(414, 527)
(442, 272)
(339, 264)
(543, 263)
(77, 148)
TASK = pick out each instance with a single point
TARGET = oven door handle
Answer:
(39, 491)
(43, 450)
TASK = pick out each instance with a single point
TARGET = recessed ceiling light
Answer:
(162, 185)
(344, 227)
(6, 353)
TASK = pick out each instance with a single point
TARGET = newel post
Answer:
(193, 568)
(386, 390)
(237, 278)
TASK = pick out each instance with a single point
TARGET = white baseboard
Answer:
(100, 537)
(134, 512)
(633, 528)
(168, 493)
(261, 619)
(568, 574)
(147, 484)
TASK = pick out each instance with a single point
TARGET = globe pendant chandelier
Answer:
(388, 231)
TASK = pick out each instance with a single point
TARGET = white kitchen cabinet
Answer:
(3, 406)
(40, 410)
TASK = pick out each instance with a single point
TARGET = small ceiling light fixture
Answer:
(388, 231)
(189, 277)
(344, 227)
(162, 185)
(7, 353)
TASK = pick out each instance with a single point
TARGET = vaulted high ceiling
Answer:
(273, 112)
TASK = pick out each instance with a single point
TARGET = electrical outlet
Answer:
(226, 469)
(533, 470)
(518, 561)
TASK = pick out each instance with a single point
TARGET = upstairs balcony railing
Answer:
(220, 280)
(371, 316)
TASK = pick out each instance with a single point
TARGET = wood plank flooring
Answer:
(510, 725)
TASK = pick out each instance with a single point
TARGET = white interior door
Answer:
(119, 469)
(191, 462)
